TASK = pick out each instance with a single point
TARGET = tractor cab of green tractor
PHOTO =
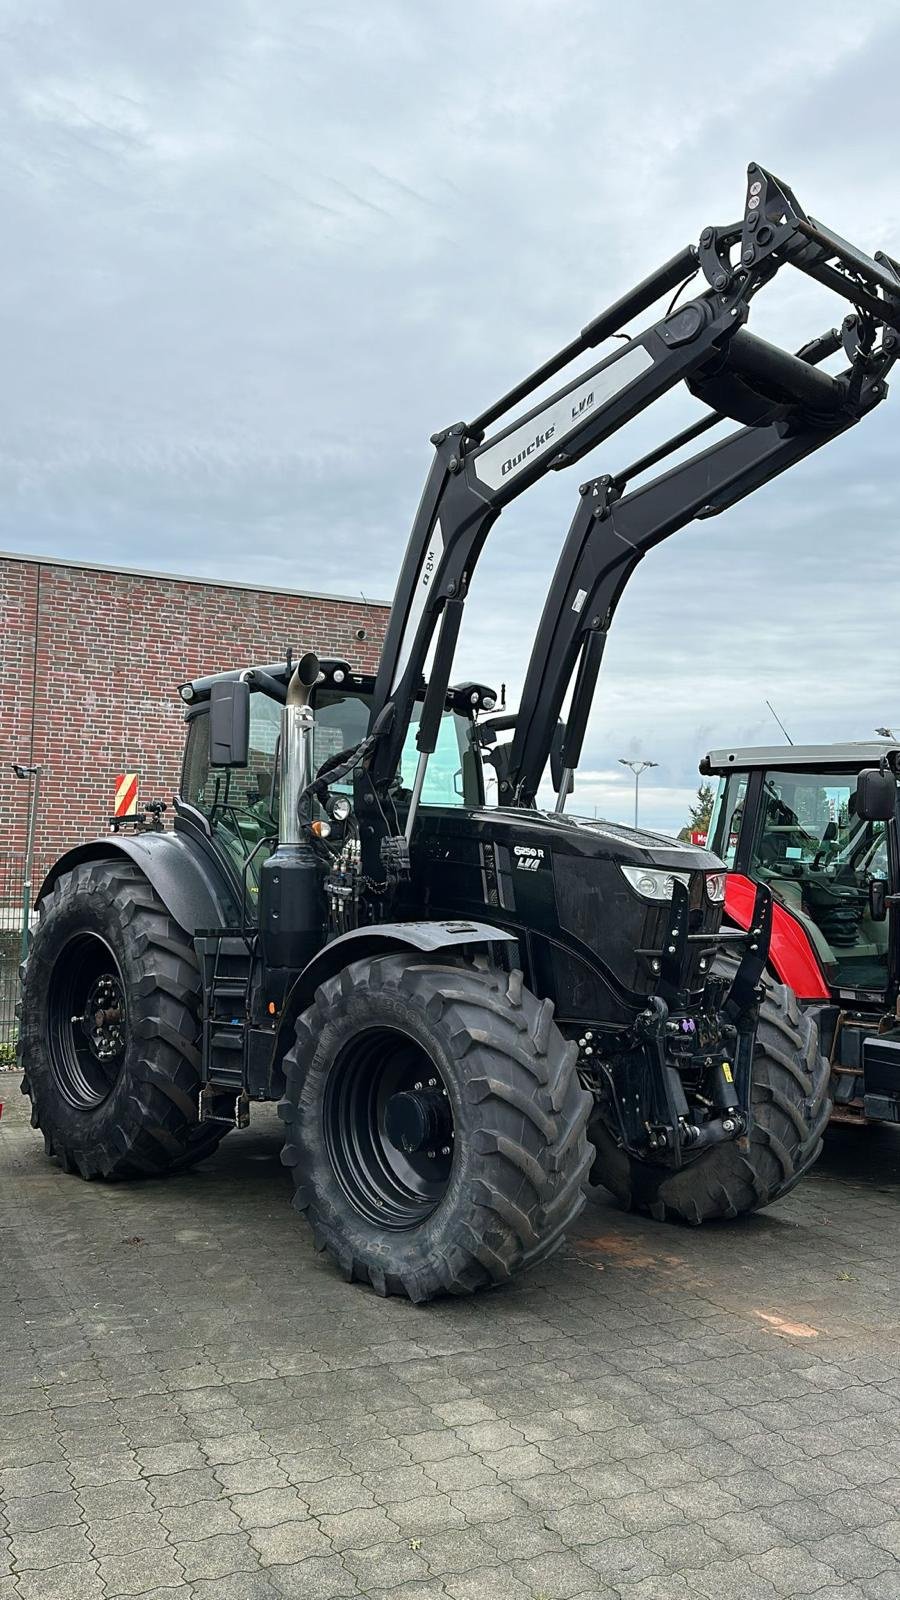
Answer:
(819, 826)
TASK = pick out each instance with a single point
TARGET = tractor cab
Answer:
(237, 803)
(794, 818)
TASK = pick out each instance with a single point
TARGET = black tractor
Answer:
(465, 1010)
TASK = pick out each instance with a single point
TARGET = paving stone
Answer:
(41, 1511)
(624, 1560)
(216, 1556)
(854, 1555)
(387, 1565)
(745, 1533)
(45, 1477)
(164, 1459)
(168, 1591)
(289, 1542)
(487, 1583)
(586, 1522)
(663, 1586)
(236, 1586)
(460, 1472)
(50, 1547)
(563, 1575)
(436, 1444)
(144, 1569)
(101, 1468)
(334, 1495)
(141, 1530)
(488, 1503)
(199, 1520)
(456, 1549)
(233, 1447)
(427, 1512)
(885, 1587)
(793, 1571)
(183, 1488)
(319, 1578)
(81, 1581)
(887, 1536)
(265, 1508)
(551, 1491)
(728, 1580)
(365, 1526)
(248, 1477)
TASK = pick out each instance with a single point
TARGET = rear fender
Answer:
(427, 938)
(186, 880)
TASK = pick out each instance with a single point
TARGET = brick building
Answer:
(90, 659)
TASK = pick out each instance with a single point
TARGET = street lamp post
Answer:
(33, 776)
(637, 768)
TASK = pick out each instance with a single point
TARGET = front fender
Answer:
(381, 939)
(196, 895)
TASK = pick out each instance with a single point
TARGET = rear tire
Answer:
(469, 1055)
(791, 1107)
(119, 1100)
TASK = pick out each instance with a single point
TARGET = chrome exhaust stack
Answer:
(291, 901)
(297, 733)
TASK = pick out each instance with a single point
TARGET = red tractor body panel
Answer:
(790, 954)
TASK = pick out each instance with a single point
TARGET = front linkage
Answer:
(680, 1078)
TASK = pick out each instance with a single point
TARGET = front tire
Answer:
(110, 1028)
(434, 1125)
(791, 1107)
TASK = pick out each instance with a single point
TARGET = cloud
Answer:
(258, 253)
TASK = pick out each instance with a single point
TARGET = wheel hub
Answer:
(102, 1021)
(418, 1119)
(87, 1020)
(388, 1125)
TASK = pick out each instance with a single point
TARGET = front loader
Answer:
(463, 1009)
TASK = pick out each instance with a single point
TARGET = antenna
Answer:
(779, 721)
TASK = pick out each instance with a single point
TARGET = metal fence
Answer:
(12, 913)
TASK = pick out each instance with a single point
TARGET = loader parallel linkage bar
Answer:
(785, 405)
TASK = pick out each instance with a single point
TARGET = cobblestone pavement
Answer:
(194, 1407)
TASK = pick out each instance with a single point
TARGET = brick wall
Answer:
(90, 660)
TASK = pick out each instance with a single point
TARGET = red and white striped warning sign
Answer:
(126, 794)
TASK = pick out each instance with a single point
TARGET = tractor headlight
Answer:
(715, 887)
(654, 883)
(339, 807)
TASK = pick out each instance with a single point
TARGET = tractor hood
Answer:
(595, 894)
(610, 840)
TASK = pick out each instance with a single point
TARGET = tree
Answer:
(701, 812)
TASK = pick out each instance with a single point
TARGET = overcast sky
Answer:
(256, 253)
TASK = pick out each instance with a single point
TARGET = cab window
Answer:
(819, 857)
(727, 813)
(241, 803)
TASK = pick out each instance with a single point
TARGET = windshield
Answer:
(818, 857)
(241, 803)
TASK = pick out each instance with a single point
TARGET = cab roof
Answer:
(861, 753)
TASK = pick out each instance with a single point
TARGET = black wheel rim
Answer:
(388, 1127)
(87, 1021)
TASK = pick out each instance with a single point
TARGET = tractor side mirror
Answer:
(229, 724)
(878, 899)
(876, 795)
(556, 758)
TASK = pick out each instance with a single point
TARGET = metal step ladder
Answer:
(227, 969)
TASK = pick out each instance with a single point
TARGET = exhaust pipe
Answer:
(291, 902)
(297, 729)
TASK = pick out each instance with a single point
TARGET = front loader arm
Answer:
(703, 343)
(609, 535)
